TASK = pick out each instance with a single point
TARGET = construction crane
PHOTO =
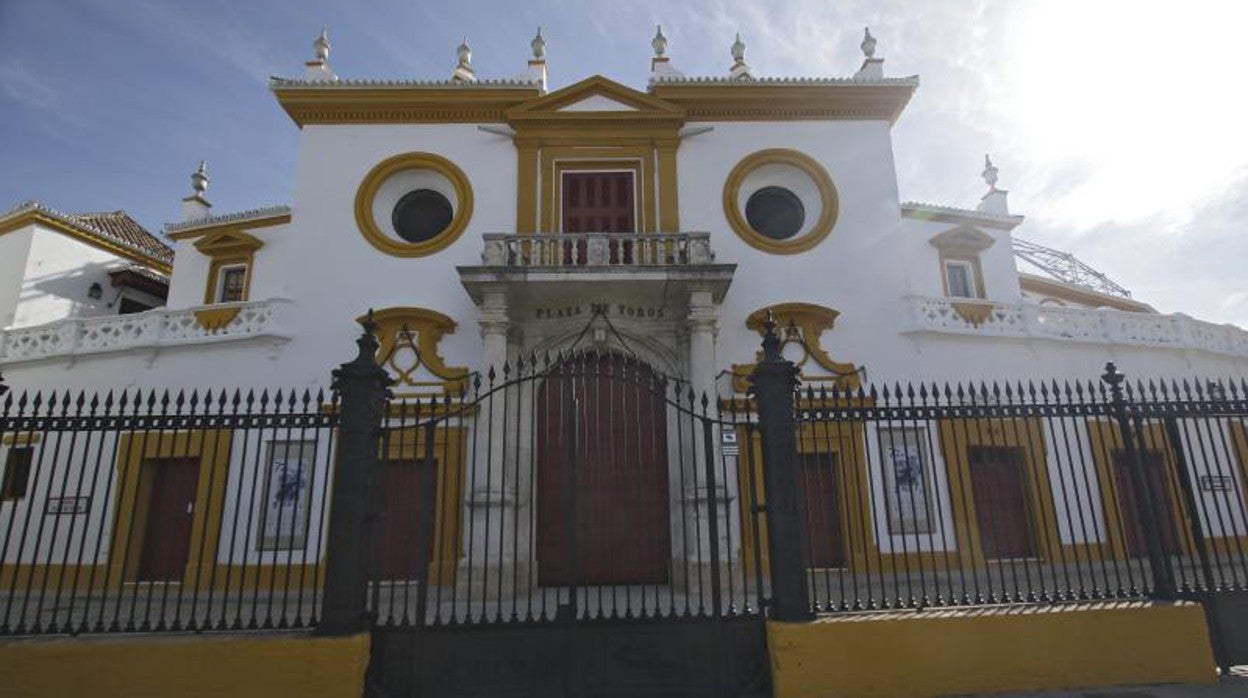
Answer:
(1067, 268)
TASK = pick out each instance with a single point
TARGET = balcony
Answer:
(162, 327)
(1096, 326)
(546, 266)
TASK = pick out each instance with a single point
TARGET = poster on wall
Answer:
(906, 471)
(287, 495)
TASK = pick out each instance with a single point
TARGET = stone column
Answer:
(488, 567)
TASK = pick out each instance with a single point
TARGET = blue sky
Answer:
(1117, 125)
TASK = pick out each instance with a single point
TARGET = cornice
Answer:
(787, 100)
(950, 214)
(380, 102)
(1079, 294)
(242, 220)
(33, 212)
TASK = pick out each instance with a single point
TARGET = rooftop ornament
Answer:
(660, 67)
(740, 70)
(872, 67)
(989, 174)
(995, 200)
(196, 205)
(659, 42)
(538, 44)
(463, 70)
(318, 68)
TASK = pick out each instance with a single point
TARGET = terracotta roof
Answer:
(121, 227)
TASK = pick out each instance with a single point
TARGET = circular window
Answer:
(414, 204)
(780, 201)
(775, 212)
(421, 215)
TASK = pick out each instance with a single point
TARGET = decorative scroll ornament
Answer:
(800, 327)
(408, 349)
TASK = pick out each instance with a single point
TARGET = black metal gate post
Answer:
(1147, 506)
(773, 384)
(363, 389)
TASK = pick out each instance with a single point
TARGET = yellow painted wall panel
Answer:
(935, 653)
(238, 666)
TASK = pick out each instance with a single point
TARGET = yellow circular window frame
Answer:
(781, 156)
(400, 163)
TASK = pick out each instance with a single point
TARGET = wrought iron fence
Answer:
(939, 495)
(150, 511)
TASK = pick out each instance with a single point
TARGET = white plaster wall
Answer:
(59, 271)
(14, 249)
(190, 274)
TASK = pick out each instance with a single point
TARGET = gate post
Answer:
(1146, 506)
(363, 389)
(773, 385)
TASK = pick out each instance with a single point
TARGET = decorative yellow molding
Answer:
(1062, 292)
(84, 236)
(401, 105)
(408, 339)
(974, 313)
(829, 200)
(802, 324)
(213, 319)
(412, 161)
(764, 102)
(644, 109)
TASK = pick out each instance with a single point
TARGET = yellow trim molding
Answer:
(957, 437)
(22, 438)
(226, 227)
(135, 449)
(399, 104)
(227, 249)
(396, 328)
(1086, 297)
(412, 161)
(84, 236)
(829, 200)
(803, 324)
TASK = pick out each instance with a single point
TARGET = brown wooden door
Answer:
(823, 509)
(409, 490)
(598, 202)
(1002, 510)
(602, 475)
(1130, 498)
(170, 512)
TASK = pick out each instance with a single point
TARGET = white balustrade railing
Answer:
(597, 250)
(153, 328)
(1099, 325)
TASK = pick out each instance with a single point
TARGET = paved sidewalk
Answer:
(1233, 685)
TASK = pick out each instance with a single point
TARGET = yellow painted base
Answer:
(936, 653)
(237, 666)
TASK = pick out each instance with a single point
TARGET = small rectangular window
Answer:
(960, 280)
(231, 285)
(16, 473)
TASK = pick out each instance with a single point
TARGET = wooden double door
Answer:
(166, 547)
(1132, 498)
(1004, 509)
(602, 487)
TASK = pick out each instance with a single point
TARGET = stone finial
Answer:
(318, 68)
(322, 45)
(872, 67)
(740, 70)
(659, 42)
(196, 205)
(538, 44)
(996, 200)
(660, 67)
(990, 173)
(463, 69)
(868, 43)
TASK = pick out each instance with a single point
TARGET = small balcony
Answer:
(545, 266)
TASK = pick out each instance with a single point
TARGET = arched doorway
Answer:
(602, 499)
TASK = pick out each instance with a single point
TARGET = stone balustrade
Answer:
(597, 250)
(154, 328)
(1101, 325)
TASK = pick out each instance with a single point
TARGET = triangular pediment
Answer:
(595, 95)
